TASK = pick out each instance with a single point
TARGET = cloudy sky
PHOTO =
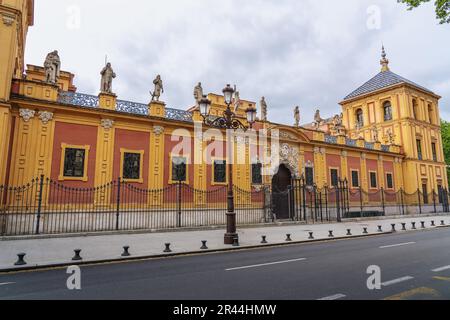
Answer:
(309, 53)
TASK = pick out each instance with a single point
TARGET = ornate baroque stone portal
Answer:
(289, 156)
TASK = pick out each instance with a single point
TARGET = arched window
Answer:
(359, 118)
(387, 109)
(415, 109)
(431, 114)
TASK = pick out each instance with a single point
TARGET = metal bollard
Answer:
(288, 238)
(349, 232)
(20, 259)
(433, 224)
(380, 229)
(204, 246)
(264, 240)
(442, 223)
(77, 256)
(422, 224)
(167, 250)
(393, 228)
(126, 251)
(311, 236)
(413, 225)
(330, 235)
(236, 242)
(365, 231)
(403, 226)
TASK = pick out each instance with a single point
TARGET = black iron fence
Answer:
(45, 206)
(313, 204)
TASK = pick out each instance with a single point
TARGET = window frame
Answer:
(306, 176)
(261, 168)
(64, 147)
(141, 162)
(387, 181)
(385, 106)
(359, 179)
(186, 157)
(419, 149)
(434, 152)
(358, 122)
(370, 180)
(330, 170)
(213, 173)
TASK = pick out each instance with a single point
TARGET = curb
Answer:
(179, 254)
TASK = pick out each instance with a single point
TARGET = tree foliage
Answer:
(446, 141)
(442, 8)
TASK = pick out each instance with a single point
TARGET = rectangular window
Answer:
(373, 180)
(355, 179)
(334, 177)
(309, 176)
(179, 169)
(434, 151)
(257, 173)
(419, 149)
(425, 193)
(74, 162)
(131, 166)
(220, 171)
(389, 181)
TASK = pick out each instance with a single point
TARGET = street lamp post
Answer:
(228, 121)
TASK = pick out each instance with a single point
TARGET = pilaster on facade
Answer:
(104, 160)
(5, 133)
(156, 165)
(200, 169)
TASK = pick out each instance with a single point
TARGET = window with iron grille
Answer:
(373, 180)
(334, 175)
(131, 166)
(389, 181)
(434, 151)
(179, 169)
(220, 171)
(257, 173)
(74, 162)
(419, 149)
(355, 179)
(309, 176)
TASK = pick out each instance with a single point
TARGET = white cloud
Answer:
(308, 53)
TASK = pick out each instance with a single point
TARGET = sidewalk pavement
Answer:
(48, 252)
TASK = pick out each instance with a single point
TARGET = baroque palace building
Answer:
(388, 135)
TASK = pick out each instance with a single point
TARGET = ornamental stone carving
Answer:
(8, 19)
(158, 130)
(27, 114)
(45, 116)
(107, 123)
(287, 135)
(344, 154)
(363, 156)
(289, 156)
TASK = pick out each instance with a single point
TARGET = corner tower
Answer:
(393, 110)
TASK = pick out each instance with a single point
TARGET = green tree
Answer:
(446, 141)
(442, 8)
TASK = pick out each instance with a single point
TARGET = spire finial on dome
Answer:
(384, 61)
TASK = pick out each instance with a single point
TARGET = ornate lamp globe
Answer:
(228, 94)
(205, 106)
(251, 114)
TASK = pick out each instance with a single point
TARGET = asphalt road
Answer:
(413, 265)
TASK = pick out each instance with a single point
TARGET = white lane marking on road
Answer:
(395, 281)
(397, 245)
(335, 297)
(6, 283)
(441, 269)
(265, 264)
